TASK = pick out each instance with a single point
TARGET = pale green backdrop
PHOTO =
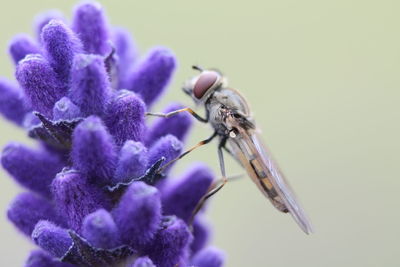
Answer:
(322, 78)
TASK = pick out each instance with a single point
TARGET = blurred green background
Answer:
(322, 78)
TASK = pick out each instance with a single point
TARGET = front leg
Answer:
(172, 113)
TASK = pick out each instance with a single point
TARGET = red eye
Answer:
(205, 82)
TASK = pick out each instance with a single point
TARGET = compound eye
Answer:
(206, 80)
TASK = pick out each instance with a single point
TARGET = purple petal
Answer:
(75, 198)
(64, 109)
(209, 257)
(12, 103)
(153, 74)
(61, 45)
(168, 147)
(100, 230)
(39, 258)
(201, 234)
(39, 81)
(27, 209)
(181, 196)
(132, 162)
(125, 117)
(22, 45)
(32, 168)
(170, 245)
(30, 120)
(126, 51)
(51, 238)
(93, 151)
(177, 125)
(42, 19)
(90, 24)
(143, 262)
(138, 214)
(90, 85)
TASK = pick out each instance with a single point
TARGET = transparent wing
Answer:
(254, 157)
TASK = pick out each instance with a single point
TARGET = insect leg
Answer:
(216, 186)
(199, 144)
(172, 113)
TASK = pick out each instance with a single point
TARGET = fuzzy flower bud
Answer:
(138, 214)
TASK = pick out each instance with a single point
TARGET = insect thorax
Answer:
(224, 103)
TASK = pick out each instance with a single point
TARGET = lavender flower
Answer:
(93, 196)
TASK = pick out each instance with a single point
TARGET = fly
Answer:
(229, 115)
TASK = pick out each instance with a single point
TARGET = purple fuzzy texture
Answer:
(151, 76)
(90, 85)
(127, 54)
(12, 102)
(100, 230)
(96, 197)
(143, 262)
(125, 117)
(201, 234)
(93, 151)
(32, 168)
(51, 238)
(208, 257)
(138, 214)
(132, 162)
(40, 83)
(90, 24)
(27, 209)
(22, 45)
(170, 244)
(168, 147)
(39, 258)
(64, 109)
(177, 125)
(43, 19)
(61, 46)
(75, 198)
(181, 196)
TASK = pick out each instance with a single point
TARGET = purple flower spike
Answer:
(170, 245)
(42, 19)
(22, 45)
(39, 258)
(178, 125)
(27, 209)
(90, 24)
(32, 168)
(126, 51)
(64, 109)
(138, 214)
(150, 77)
(40, 83)
(93, 151)
(201, 234)
(12, 103)
(208, 257)
(125, 117)
(181, 196)
(90, 86)
(132, 162)
(61, 45)
(168, 147)
(100, 230)
(75, 198)
(52, 238)
(143, 262)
